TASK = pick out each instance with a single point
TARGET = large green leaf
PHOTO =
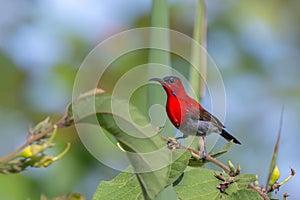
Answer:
(225, 149)
(124, 186)
(154, 164)
(201, 183)
(245, 194)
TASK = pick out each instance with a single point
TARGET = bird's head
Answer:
(171, 84)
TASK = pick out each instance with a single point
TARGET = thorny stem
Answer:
(30, 140)
(208, 157)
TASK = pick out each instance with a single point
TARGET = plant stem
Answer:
(198, 56)
(160, 39)
(263, 195)
(208, 157)
(159, 19)
(30, 140)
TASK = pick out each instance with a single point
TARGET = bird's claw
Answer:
(203, 155)
(202, 149)
(159, 128)
(172, 144)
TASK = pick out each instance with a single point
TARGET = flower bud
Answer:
(275, 176)
(45, 160)
(31, 151)
(231, 166)
(256, 183)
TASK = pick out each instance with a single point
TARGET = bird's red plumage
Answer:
(179, 105)
(173, 109)
(187, 114)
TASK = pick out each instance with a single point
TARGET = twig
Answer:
(208, 157)
(218, 163)
(30, 140)
(262, 194)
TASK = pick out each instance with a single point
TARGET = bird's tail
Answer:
(229, 137)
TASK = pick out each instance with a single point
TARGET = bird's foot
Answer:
(172, 144)
(202, 148)
(202, 156)
(158, 128)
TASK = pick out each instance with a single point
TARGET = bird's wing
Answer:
(206, 116)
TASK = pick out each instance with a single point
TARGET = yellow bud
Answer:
(75, 196)
(44, 161)
(26, 153)
(256, 181)
(275, 176)
(238, 169)
(31, 151)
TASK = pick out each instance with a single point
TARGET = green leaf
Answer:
(245, 194)
(177, 167)
(41, 126)
(155, 165)
(201, 183)
(167, 193)
(124, 186)
(225, 149)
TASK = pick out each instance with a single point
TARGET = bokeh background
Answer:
(255, 44)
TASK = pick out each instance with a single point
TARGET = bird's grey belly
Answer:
(198, 127)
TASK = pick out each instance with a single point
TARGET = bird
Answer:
(187, 115)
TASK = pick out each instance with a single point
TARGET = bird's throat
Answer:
(174, 111)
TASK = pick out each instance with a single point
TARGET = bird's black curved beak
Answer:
(156, 79)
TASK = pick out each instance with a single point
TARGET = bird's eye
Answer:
(171, 80)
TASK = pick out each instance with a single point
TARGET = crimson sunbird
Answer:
(187, 115)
